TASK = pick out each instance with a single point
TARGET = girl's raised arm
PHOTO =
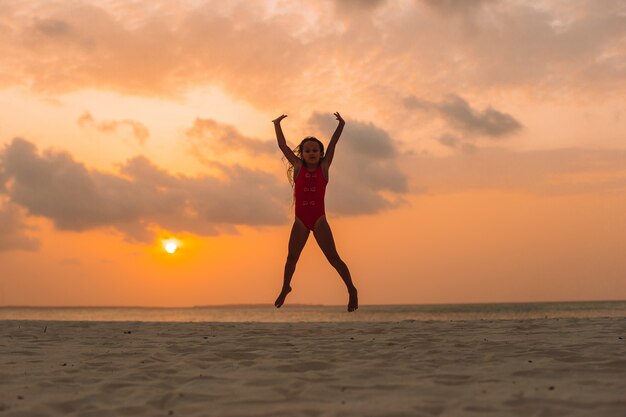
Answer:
(330, 150)
(282, 143)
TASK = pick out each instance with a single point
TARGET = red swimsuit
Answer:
(309, 189)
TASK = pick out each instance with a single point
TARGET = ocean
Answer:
(319, 313)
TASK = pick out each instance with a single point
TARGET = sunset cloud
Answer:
(53, 27)
(461, 116)
(270, 57)
(209, 135)
(454, 142)
(365, 179)
(488, 122)
(447, 7)
(352, 6)
(15, 232)
(53, 185)
(139, 131)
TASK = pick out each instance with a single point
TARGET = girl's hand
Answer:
(279, 118)
(338, 116)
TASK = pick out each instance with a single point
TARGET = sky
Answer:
(483, 157)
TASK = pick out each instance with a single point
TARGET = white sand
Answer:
(553, 367)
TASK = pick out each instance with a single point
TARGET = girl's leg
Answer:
(324, 237)
(297, 239)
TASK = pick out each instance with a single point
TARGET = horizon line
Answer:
(308, 305)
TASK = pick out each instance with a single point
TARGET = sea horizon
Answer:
(314, 304)
(299, 312)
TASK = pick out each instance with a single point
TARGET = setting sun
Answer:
(171, 245)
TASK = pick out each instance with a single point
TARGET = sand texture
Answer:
(546, 367)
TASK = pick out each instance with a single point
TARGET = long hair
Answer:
(298, 151)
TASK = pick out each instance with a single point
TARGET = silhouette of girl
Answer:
(310, 175)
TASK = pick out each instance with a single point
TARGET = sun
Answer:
(171, 245)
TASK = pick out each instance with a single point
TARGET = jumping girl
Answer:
(310, 175)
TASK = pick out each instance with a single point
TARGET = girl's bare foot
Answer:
(353, 301)
(281, 297)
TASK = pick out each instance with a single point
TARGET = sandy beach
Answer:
(543, 367)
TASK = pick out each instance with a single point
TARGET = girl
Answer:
(310, 175)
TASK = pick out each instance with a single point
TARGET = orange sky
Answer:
(483, 158)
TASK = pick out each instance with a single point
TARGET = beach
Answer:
(532, 367)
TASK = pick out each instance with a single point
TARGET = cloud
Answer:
(139, 131)
(208, 134)
(289, 54)
(448, 7)
(460, 115)
(15, 232)
(454, 142)
(143, 197)
(356, 6)
(53, 27)
(55, 186)
(365, 177)
(488, 122)
(161, 52)
(449, 140)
